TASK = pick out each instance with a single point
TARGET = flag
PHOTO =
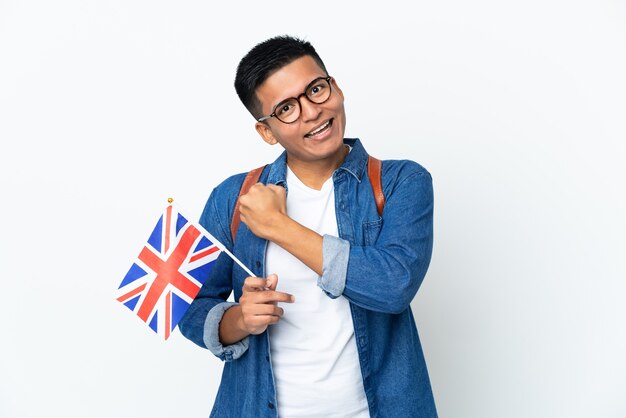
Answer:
(169, 272)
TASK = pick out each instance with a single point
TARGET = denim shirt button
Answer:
(267, 358)
(270, 405)
(258, 263)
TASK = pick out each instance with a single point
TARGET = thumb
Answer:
(277, 189)
(272, 281)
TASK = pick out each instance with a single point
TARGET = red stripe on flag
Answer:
(132, 293)
(168, 223)
(203, 254)
(168, 272)
(168, 314)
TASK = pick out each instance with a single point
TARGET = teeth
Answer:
(319, 129)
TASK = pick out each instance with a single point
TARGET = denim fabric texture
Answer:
(336, 254)
(377, 263)
(212, 335)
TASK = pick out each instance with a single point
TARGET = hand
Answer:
(258, 304)
(263, 209)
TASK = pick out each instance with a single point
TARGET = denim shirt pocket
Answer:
(371, 230)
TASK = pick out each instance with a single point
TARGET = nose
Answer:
(310, 111)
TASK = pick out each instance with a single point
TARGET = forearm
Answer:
(303, 243)
(263, 210)
(386, 279)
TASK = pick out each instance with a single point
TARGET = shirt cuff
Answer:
(335, 252)
(212, 335)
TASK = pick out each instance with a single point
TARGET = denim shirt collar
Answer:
(355, 163)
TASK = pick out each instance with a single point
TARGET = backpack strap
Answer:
(374, 171)
(251, 179)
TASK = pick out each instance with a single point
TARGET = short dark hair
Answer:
(263, 60)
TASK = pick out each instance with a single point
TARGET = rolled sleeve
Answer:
(212, 335)
(336, 252)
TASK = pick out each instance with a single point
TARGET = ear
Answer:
(266, 133)
(336, 87)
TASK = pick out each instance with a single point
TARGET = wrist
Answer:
(231, 328)
(277, 227)
(240, 326)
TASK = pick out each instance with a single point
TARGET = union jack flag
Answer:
(168, 274)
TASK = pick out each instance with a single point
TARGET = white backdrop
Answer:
(517, 108)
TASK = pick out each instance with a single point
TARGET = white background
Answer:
(517, 108)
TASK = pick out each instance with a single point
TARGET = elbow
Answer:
(403, 292)
(387, 287)
(401, 300)
(392, 304)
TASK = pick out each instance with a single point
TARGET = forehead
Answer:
(288, 81)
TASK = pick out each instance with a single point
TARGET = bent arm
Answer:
(385, 276)
(382, 277)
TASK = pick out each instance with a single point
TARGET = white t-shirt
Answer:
(313, 350)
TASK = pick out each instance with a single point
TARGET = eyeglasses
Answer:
(288, 111)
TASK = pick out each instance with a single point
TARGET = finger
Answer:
(265, 297)
(272, 281)
(253, 284)
(276, 188)
(271, 296)
(279, 192)
(261, 321)
(264, 309)
(257, 187)
(259, 283)
(273, 320)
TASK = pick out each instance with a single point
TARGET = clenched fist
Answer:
(264, 209)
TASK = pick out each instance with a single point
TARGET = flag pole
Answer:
(220, 246)
(231, 255)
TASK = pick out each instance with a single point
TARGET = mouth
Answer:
(320, 130)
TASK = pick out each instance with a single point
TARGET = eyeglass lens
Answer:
(317, 92)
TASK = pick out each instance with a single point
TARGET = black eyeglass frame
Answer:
(328, 78)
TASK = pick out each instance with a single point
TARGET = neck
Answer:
(315, 173)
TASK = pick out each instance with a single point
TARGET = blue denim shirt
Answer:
(377, 263)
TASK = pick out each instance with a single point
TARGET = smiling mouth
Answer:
(326, 126)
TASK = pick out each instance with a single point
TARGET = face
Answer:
(317, 135)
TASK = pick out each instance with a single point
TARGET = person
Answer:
(326, 328)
